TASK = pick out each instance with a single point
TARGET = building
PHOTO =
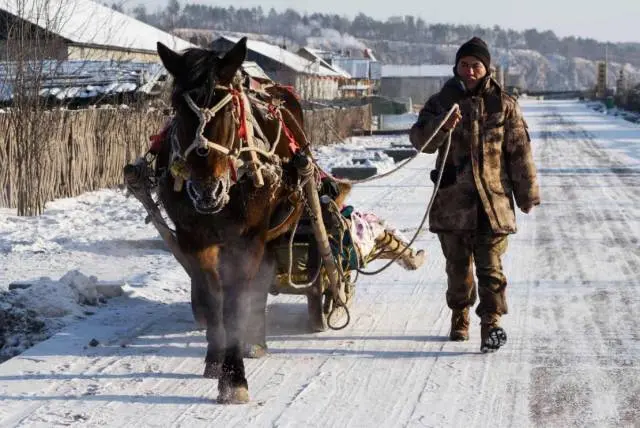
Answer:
(316, 55)
(417, 82)
(350, 86)
(78, 30)
(362, 74)
(356, 90)
(365, 73)
(311, 79)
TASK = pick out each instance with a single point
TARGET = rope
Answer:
(291, 238)
(426, 214)
(345, 278)
(404, 162)
(204, 116)
(337, 303)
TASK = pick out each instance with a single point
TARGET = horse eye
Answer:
(202, 151)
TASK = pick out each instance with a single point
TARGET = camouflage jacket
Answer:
(489, 163)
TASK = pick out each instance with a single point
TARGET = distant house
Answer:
(78, 30)
(315, 55)
(349, 87)
(417, 82)
(311, 80)
(361, 73)
(254, 70)
(364, 72)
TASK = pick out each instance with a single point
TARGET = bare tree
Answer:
(32, 52)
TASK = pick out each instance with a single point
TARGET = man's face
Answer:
(471, 70)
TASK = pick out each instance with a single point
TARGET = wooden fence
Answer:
(329, 125)
(65, 153)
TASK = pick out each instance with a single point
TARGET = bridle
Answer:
(205, 115)
(202, 145)
(246, 129)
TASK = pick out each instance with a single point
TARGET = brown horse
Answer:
(229, 177)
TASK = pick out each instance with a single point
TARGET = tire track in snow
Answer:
(581, 372)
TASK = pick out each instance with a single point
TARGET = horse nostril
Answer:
(202, 151)
(218, 190)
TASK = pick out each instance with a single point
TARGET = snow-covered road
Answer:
(573, 356)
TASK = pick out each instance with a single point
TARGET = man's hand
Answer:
(452, 121)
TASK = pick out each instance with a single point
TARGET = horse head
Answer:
(207, 99)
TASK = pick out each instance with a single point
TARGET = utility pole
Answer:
(606, 64)
(601, 83)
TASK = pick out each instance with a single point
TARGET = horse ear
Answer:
(232, 61)
(171, 60)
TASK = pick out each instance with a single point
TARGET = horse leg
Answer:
(207, 305)
(232, 384)
(199, 305)
(215, 335)
(238, 272)
(255, 340)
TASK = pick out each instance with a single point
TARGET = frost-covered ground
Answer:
(64, 265)
(572, 358)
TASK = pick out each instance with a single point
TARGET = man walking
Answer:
(489, 165)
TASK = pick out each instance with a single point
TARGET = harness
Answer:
(246, 131)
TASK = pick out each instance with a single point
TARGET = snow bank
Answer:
(360, 151)
(32, 311)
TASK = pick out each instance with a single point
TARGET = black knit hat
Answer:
(475, 47)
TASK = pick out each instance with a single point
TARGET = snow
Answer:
(36, 309)
(423, 70)
(91, 23)
(283, 56)
(364, 151)
(397, 121)
(83, 79)
(571, 359)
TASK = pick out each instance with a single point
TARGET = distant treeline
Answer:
(298, 27)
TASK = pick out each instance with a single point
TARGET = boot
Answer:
(459, 325)
(492, 336)
(389, 246)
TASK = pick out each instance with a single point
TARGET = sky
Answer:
(611, 20)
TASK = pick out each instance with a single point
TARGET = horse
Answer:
(230, 188)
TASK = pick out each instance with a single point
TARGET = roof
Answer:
(76, 79)
(424, 70)
(319, 52)
(89, 23)
(358, 68)
(285, 57)
(315, 55)
(254, 70)
(67, 80)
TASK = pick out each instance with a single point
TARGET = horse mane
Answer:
(199, 76)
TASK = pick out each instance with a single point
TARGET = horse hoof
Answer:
(212, 370)
(237, 395)
(255, 351)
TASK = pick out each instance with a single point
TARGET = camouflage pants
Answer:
(461, 251)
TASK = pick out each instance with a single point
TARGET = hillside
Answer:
(539, 59)
(527, 68)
